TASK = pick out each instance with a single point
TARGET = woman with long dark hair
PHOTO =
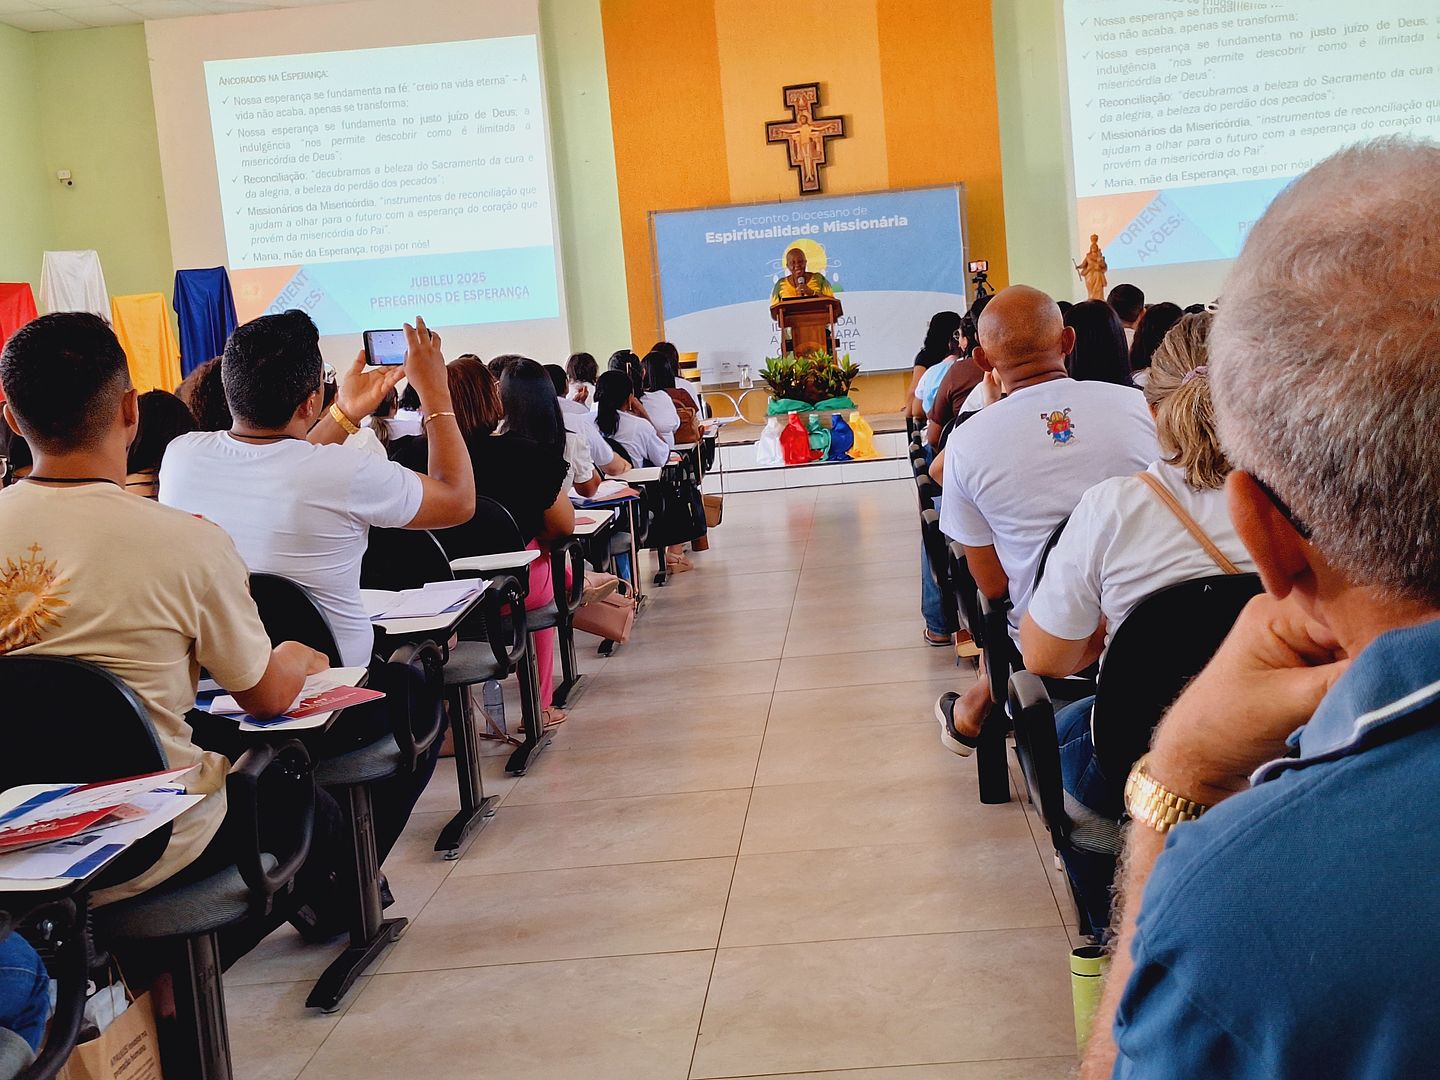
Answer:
(1100, 353)
(941, 341)
(659, 406)
(522, 474)
(1155, 323)
(633, 437)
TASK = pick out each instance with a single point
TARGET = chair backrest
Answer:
(289, 614)
(403, 559)
(1162, 644)
(86, 726)
(494, 525)
(967, 593)
(1049, 547)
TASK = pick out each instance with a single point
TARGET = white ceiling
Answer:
(78, 14)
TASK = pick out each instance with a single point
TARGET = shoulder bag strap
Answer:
(1191, 525)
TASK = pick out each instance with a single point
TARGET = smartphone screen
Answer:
(385, 348)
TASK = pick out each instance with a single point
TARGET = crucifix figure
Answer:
(805, 134)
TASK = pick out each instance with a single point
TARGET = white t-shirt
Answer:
(581, 421)
(300, 511)
(578, 465)
(663, 414)
(1016, 469)
(1122, 545)
(974, 401)
(693, 389)
(642, 446)
(929, 384)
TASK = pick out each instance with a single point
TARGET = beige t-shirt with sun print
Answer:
(151, 594)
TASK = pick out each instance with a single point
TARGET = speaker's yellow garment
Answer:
(142, 323)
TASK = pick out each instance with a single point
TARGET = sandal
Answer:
(552, 718)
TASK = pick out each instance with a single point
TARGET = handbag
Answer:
(128, 1048)
(714, 509)
(679, 514)
(611, 617)
(689, 429)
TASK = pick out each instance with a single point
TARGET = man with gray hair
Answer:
(1279, 895)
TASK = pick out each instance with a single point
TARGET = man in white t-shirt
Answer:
(1129, 303)
(1016, 470)
(297, 505)
(97, 574)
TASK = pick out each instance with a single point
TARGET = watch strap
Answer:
(1155, 806)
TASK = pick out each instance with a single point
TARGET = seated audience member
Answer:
(1015, 471)
(499, 363)
(295, 505)
(1129, 304)
(582, 475)
(579, 420)
(960, 381)
(581, 371)
(660, 379)
(1124, 543)
(626, 361)
(1288, 931)
(939, 344)
(378, 430)
(147, 592)
(1100, 353)
(24, 990)
(672, 354)
(163, 419)
(659, 406)
(633, 436)
(520, 466)
(207, 398)
(1155, 323)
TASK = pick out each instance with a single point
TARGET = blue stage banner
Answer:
(894, 258)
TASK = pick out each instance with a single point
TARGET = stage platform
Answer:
(737, 470)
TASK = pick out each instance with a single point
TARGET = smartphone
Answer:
(384, 348)
(979, 266)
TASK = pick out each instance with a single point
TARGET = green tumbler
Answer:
(1088, 965)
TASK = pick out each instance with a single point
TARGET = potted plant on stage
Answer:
(818, 381)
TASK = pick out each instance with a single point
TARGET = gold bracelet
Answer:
(343, 420)
(1152, 804)
(433, 416)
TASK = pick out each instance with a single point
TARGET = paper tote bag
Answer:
(126, 1050)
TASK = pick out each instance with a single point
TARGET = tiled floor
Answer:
(745, 855)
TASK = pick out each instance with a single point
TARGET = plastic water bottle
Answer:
(494, 704)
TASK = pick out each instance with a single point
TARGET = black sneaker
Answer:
(950, 736)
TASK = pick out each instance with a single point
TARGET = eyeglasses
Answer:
(1284, 508)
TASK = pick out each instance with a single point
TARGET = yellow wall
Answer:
(914, 79)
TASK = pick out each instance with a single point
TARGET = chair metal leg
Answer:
(536, 737)
(990, 764)
(572, 683)
(369, 933)
(475, 808)
(196, 1041)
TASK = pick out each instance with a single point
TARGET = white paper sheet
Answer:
(226, 705)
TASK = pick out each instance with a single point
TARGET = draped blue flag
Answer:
(205, 307)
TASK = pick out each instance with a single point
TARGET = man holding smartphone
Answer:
(295, 502)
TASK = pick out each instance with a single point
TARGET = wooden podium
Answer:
(806, 323)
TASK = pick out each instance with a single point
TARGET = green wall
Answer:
(583, 149)
(1032, 145)
(26, 226)
(98, 121)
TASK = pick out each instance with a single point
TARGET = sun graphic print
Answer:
(31, 599)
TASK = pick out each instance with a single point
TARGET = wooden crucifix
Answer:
(805, 134)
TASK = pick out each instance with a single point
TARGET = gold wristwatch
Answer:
(1150, 803)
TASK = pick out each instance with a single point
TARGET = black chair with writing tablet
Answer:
(106, 734)
(1162, 644)
(490, 648)
(411, 678)
(503, 538)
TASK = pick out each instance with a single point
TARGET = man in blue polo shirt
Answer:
(1289, 931)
